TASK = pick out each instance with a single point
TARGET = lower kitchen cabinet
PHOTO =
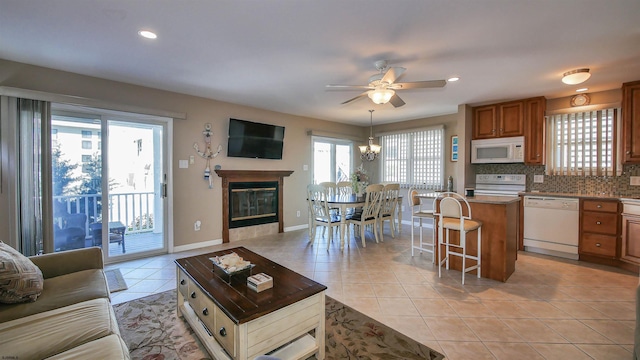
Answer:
(599, 229)
(631, 232)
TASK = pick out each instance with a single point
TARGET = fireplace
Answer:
(252, 203)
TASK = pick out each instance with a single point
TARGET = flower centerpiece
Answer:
(359, 180)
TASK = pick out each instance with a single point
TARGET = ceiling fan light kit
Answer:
(380, 96)
(370, 151)
(576, 76)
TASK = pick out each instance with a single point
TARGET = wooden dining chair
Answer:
(321, 214)
(369, 213)
(388, 206)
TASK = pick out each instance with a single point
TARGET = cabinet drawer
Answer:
(603, 245)
(600, 223)
(225, 331)
(597, 205)
(203, 307)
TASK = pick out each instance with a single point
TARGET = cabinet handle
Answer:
(628, 152)
(493, 131)
(501, 131)
(205, 311)
(223, 331)
(598, 245)
(193, 295)
(183, 281)
(537, 155)
(598, 206)
(598, 223)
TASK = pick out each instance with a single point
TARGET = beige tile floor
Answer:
(550, 308)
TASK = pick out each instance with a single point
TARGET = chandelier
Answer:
(370, 151)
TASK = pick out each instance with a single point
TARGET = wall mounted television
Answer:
(249, 139)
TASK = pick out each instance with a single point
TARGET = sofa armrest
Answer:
(70, 261)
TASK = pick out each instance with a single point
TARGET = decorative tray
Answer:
(231, 265)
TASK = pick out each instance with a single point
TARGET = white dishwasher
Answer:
(551, 226)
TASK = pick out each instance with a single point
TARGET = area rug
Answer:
(152, 331)
(115, 280)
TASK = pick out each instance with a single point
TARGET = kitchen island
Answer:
(500, 216)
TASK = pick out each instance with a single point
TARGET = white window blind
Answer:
(414, 158)
(583, 143)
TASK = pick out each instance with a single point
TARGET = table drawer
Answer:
(183, 283)
(601, 223)
(225, 331)
(204, 308)
(603, 245)
(598, 205)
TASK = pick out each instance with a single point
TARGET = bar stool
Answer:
(449, 210)
(419, 213)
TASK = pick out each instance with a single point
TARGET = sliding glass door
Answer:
(108, 181)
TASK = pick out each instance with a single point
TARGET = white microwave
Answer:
(498, 150)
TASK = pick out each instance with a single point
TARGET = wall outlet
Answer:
(635, 180)
(196, 225)
(538, 179)
(298, 213)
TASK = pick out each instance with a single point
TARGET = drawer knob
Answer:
(598, 245)
(205, 311)
(598, 223)
(223, 331)
(193, 295)
(598, 206)
(183, 281)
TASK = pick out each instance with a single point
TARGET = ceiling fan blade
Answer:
(355, 98)
(419, 84)
(348, 87)
(396, 101)
(392, 74)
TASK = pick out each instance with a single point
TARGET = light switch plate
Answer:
(183, 164)
(635, 180)
(192, 160)
(538, 178)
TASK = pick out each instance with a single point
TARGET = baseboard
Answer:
(297, 227)
(196, 245)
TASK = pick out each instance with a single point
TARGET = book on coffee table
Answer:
(259, 282)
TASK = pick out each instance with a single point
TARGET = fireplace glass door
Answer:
(252, 203)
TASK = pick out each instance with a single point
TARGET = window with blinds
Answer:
(583, 143)
(414, 158)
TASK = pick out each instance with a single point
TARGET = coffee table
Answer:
(235, 322)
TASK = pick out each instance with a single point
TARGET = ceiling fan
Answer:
(382, 86)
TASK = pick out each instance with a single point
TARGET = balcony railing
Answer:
(134, 210)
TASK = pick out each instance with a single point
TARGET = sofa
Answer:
(71, 318)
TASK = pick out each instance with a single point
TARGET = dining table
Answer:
(344, 202)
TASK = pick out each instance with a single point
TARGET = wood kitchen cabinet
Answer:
(631, 233)
(534, 125)
(499, 120)
(631, 122)
(599, 229)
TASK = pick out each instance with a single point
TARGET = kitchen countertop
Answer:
(486, 199)
(581, 196)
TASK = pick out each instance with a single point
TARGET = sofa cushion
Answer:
(53, 332)
(61, 291)
(20, 279)
(110, 347)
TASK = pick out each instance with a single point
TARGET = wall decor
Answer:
(207, 154)
(454, 148)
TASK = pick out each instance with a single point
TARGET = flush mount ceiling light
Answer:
(452, 79)
(147, 34)
(370, 151)
(577, 76)
(380, 96)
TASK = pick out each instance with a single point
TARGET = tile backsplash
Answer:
(617, 186)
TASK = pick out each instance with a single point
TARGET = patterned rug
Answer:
(115, 280)
(152, 331)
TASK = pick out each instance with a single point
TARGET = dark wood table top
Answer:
(240, 303)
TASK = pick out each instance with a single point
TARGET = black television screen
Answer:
(254, 140)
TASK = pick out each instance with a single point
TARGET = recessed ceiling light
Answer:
(452, 79)
(582, 90)
(147, 34)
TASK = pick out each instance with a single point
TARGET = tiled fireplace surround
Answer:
(616, 186)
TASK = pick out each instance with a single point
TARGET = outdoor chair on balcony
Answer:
(116, 233)
(72, 234)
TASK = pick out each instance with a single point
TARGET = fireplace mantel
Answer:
(229, 176)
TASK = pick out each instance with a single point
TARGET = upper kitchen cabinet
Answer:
(499, 120)
(631, 121)
(534, 150)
